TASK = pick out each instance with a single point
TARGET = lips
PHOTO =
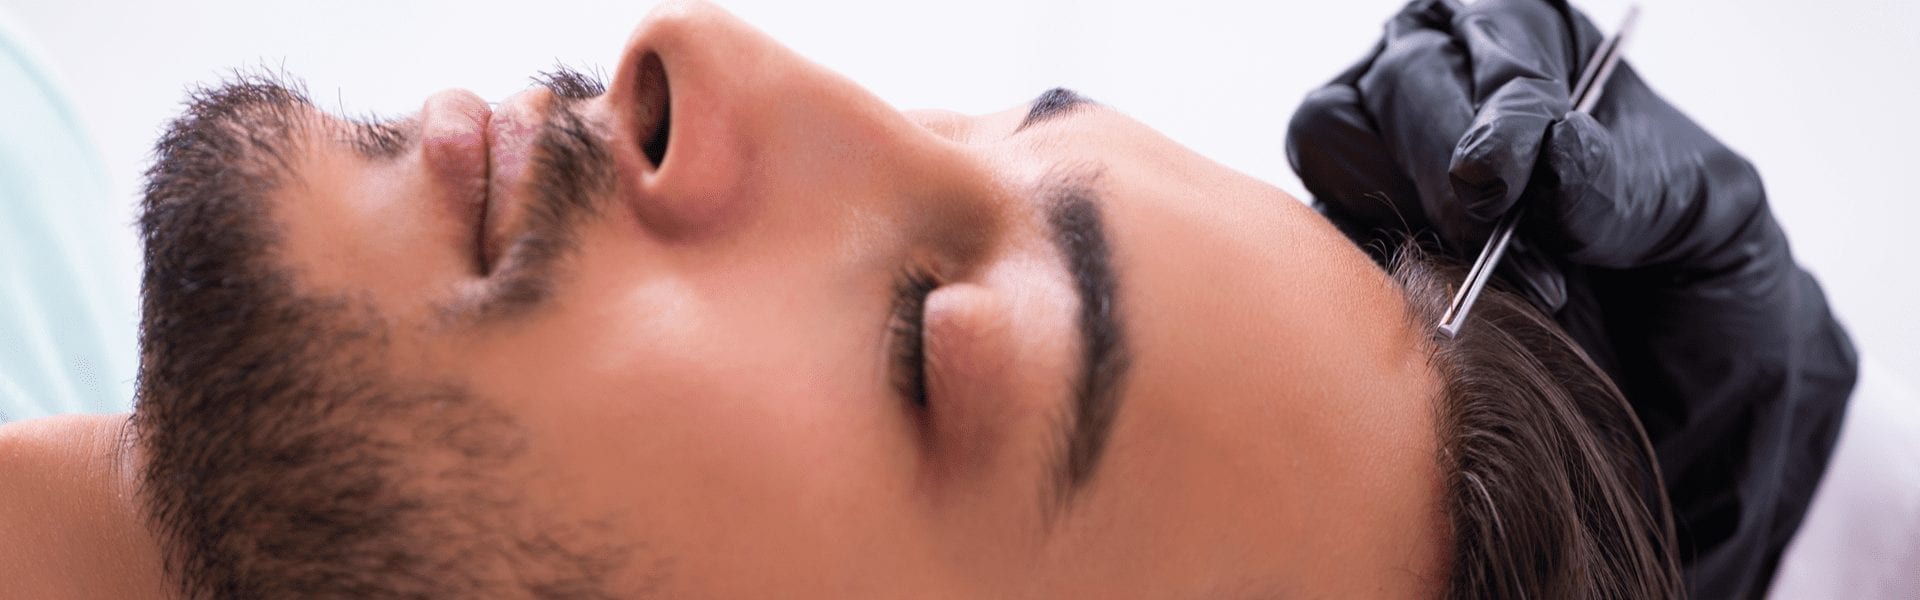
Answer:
(511, 135)
(454, 146)
(480, 157)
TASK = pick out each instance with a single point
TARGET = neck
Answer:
(71, 520)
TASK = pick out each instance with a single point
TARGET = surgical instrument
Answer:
(1586, 93)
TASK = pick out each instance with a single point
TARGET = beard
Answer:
(282, 458)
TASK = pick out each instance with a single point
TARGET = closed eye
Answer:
(909, 368)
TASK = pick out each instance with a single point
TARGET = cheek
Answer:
(661, 377)
(708, 416)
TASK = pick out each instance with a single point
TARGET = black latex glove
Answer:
(1650, 241)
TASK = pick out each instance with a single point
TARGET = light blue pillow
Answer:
(68, 292)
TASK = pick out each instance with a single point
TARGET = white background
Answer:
(1821, 96)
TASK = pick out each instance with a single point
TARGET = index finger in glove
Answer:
(1525, 55)
(1334, 147)
(1417, 92)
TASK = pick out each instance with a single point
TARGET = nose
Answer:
(678, 99)
(740, 115)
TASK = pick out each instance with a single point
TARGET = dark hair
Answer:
(1551, 490)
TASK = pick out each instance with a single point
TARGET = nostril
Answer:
(654, 109)
(656, 146)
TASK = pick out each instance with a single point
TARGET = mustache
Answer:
(572, 165)
(572, 84)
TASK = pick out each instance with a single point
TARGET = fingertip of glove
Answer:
(1483, 200)
(1577, 147)
(1482, 174)
(1324, 115)
(1333, 96)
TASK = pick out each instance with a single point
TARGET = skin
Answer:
(71, 523)
(1275, 434)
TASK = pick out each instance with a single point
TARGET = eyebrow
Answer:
(1050, 104)
(1079, 231)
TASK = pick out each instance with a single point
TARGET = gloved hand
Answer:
(1460, 106)
(1650, 240)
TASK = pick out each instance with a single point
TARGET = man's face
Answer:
(775, 337)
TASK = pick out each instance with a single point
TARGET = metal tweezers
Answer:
(1586, 94)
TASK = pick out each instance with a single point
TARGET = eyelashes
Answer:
(909, 368)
